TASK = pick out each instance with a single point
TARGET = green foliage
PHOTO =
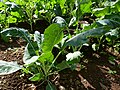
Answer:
(99, 19)
(50, 38)
(38, 57)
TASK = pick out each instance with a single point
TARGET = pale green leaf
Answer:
(8, 67)
(59, 20)
(72, 56)
(31, 50)
(31, 60)
(38, 38)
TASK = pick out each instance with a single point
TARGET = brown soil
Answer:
(94, 75)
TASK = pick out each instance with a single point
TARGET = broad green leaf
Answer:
(82, 38)
(52, 35)
(36, 77)
(8, 67)
(48, 56)
(15, 32)
(31, 49)
(31, 53)
(50, 86)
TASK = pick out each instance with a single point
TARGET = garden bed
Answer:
(94, 76)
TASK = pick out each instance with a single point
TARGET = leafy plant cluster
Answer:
(92, 19)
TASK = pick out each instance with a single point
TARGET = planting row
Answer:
(72, 25)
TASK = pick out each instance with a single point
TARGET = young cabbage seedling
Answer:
(38, 58)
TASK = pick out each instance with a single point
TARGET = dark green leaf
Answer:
(82, 38)
(57, 10)
(110, 23)
(63, 65)
(15, 32)
(115, 16)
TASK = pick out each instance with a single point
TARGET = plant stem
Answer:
(54, 61)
